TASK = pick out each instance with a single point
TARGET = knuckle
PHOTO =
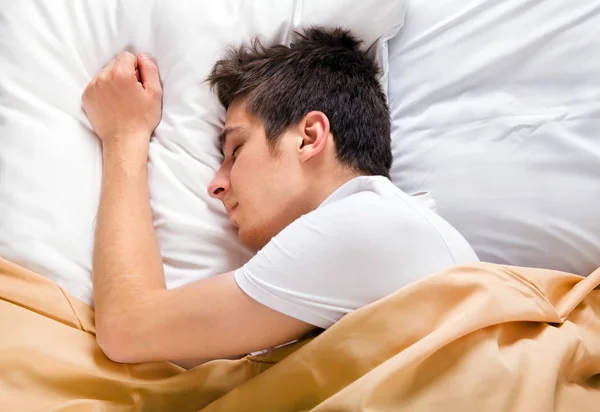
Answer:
(119, 73)
(116, 73)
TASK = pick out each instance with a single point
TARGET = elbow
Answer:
(116, 341)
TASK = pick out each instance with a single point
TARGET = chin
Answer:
(254, 239)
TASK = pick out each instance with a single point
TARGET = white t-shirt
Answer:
(365, 241)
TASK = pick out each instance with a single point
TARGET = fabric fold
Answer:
(482, 337)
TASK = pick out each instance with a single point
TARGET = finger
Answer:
(110, 65)
(125, 63)
(126, 60)
(104, 72)
(149, 74)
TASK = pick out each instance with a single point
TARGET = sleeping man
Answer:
(304, 179)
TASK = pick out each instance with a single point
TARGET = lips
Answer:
(230, 209)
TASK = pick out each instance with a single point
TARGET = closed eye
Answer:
(234, 153)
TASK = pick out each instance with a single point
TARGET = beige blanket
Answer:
(480, 338)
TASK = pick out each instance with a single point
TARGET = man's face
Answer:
(261, 187)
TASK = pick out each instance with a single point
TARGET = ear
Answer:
(314, 132)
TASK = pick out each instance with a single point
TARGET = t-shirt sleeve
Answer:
(294, 273)
(330, 262)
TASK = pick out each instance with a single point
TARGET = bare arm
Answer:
(137, 318)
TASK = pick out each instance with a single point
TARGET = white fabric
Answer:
(367, 240)
(50, 160)
(496, 112)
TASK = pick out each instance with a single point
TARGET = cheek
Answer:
(247, 180)
(240, 170)
(263, 184)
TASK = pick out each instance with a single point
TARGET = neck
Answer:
(326, 187)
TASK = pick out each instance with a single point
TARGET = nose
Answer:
(219, 186)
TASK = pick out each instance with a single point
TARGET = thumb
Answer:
(149, 74)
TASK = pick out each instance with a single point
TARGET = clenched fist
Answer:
(124, 102)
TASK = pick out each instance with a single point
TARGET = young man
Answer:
(304, 178)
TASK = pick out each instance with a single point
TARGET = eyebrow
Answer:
(225, 133)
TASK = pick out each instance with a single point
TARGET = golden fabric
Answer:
(480, 338)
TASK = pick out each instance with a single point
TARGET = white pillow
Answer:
(496, 111)
(50, 160)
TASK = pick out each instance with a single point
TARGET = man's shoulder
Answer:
(372, 201)
(380, 214)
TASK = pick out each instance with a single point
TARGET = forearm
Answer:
(137, 319)
(127, 266)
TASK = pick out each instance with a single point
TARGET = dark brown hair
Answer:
(323, 70)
